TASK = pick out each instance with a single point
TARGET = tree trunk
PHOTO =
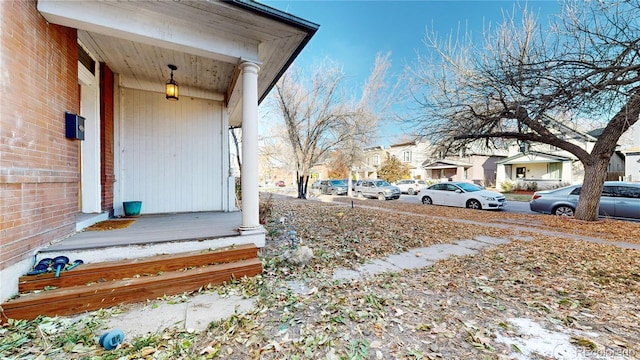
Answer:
(235, 143)
(597, 164)
(595, 173)
(302, 188)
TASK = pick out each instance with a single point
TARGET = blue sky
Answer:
(352, 32)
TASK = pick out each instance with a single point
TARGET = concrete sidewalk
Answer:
(198, 311)
(195, 313)
(420, 257)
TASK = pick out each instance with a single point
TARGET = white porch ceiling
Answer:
(205, 39)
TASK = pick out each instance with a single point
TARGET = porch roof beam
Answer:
(135, 83)
(126, 21)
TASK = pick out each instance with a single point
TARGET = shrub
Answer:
(430, 182)
(532, 186)
(559, 185)
(265, 208)
(507, 186)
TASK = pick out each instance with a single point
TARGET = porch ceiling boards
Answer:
(206, 40)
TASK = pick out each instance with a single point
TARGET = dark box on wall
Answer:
(75, 126)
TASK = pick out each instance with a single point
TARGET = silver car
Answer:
(619, 200)
(376, 188)
(333, 187)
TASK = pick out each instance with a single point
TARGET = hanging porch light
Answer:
(171, 89)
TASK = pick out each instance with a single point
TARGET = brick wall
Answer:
(38, 165)
(107, 176)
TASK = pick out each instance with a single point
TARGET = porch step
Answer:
(121, 269)
(100, 285)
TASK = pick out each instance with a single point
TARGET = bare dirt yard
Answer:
(545, 294)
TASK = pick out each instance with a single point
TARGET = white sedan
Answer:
(462, 194)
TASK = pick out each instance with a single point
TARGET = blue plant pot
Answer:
(132, 208)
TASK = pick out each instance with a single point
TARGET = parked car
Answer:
(316, 184)
(379, 189)
(462, 194)
(410, 186)
(280, 183)
(355, 183)
(619, 199)
(333, 187)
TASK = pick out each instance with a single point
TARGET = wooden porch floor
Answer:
(149, 229)
(150, 235)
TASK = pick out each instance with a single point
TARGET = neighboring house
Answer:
(413, 154)
(536, 170)
(471, 165)
(374, 158)
(632, 164)
(106, 64)
(474, 164)
(632, 153)
(446, 170)
(616, 167)
(484, 166)
(542, 166)
(319, 171)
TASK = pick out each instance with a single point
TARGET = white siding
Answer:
(172, 153)
(632, 167)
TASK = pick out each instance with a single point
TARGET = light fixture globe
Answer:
(171, 89)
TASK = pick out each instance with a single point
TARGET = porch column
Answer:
(567, 172)
(249, 175)
(500, 175)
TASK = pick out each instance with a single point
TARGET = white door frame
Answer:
(90, 187)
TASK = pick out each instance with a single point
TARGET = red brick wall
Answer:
(107, 176)
(38, 165)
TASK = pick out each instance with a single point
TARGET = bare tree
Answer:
(275, 155)
(236, 145)
(585, 63)
(362, 126)
(318, 116)
(337, 166)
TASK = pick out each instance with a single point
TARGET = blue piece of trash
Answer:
(111, 339)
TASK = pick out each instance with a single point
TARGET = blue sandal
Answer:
(41, 267)
(59, 262)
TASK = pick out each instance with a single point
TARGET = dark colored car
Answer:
(618, 199)
(333, 187)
